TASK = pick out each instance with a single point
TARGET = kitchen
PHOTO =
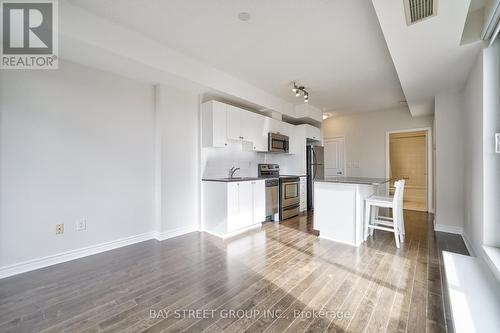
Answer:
(269, 152)
(257, 168)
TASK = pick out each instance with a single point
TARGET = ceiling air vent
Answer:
(417, 10)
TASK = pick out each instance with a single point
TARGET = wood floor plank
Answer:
(281, 268)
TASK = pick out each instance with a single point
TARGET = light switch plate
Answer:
(497, 143)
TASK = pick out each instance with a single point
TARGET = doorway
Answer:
(334, 156)
(408, 160)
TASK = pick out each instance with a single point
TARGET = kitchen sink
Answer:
(235, 179)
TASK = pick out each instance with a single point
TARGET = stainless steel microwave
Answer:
(278, 143)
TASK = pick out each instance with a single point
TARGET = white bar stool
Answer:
(394, 224)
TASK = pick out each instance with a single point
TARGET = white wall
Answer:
(75, 143)
(178, 123)
(473, 154)
(449, 162)
(365, 137)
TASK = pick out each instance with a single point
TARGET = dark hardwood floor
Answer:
(281, 278)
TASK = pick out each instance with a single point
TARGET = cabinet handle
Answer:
(225, 144)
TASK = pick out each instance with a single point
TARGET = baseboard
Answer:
(176, 232)
(336, 240)
(54, 259)
(448, 228)
(234, 233)
(469, 246)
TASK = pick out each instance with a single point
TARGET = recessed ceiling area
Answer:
(428, 55)
(337, 51)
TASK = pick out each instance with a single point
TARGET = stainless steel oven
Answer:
(278, 143)
(289, 197)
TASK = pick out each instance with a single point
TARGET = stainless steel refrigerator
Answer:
(315, 170)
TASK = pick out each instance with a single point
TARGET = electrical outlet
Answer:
(81, 225)
(59, 229)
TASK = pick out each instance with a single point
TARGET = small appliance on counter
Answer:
(282, 192)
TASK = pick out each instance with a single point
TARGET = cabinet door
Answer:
(247, 125)
(233, 207)
(233, 123)
(261, 133)
(255, 131)
(259, 201)
(219, 124)
(277, 126)
(313, 133)
(246, 204)
(292, 145)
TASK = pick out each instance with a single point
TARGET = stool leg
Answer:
(396, 235)
(367, 219)
(396, 221)
(373, 216)
(402, 220)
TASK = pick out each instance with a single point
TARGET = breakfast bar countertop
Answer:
(354, 180)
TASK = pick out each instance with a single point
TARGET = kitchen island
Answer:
(339, 206)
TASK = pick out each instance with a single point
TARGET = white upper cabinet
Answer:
(311, 132)
(255, 130)
(214, 124)
(277, 126)
(307, 111)
(248, 127)
(234, 123)
(222, 122)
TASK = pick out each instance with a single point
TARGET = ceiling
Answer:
(334, 47)
(428, 55)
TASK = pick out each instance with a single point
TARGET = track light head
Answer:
(298, 90)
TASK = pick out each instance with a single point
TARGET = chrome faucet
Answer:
(232, 171)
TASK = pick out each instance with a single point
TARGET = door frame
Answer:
(345, 159)
(430, 162)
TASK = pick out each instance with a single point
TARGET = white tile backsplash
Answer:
(216, 162)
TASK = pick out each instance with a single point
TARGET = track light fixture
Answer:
(300, 90)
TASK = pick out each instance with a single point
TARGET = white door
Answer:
(334, 157)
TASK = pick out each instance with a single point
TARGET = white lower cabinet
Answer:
(229, 207)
